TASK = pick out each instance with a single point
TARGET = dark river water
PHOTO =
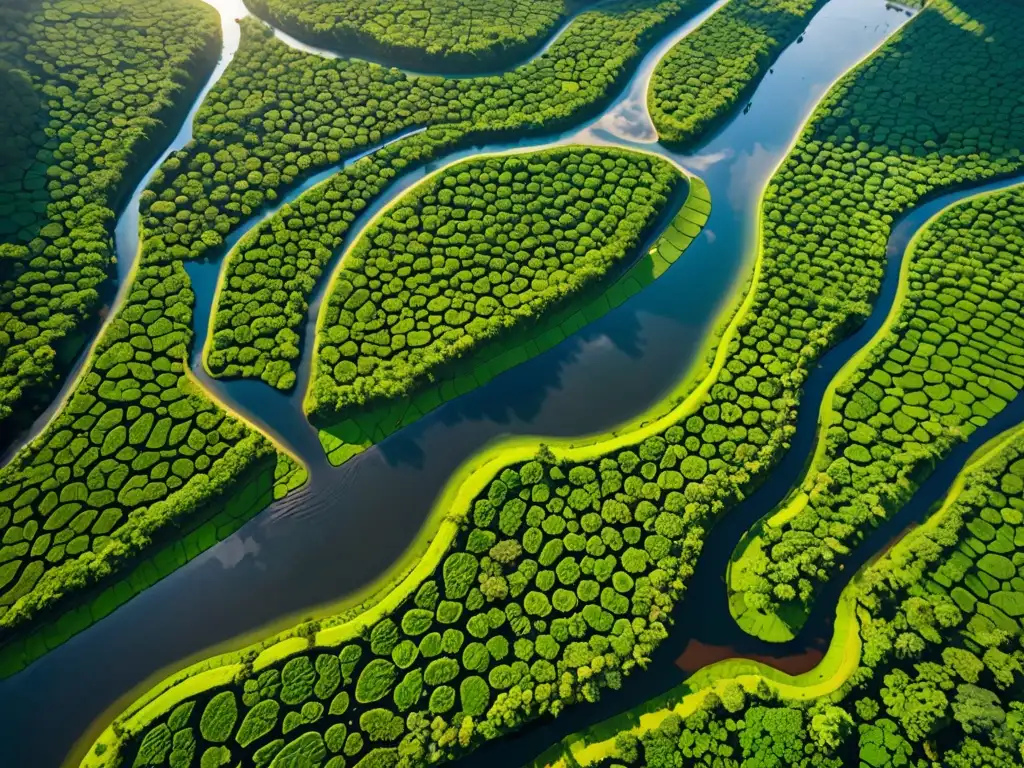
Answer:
(349, 524)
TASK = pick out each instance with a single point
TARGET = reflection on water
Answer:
(628, 119)
(126, 230)
(348, 525)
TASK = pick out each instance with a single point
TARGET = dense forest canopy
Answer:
(554, 574)
(139, 447)
(487, 245)
(707, 73)
(569, 568)
(941, 674)
(86, 91)
(446, 34)
(424, 284)
(952, 360)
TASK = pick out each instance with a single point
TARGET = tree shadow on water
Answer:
(514, 400)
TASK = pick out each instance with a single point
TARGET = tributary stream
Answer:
(349, 524)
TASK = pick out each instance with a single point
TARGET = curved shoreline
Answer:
(463, 486)
(13, 656)
(127, 238)
(771, 627)
(739, 97)
(200, 352)
(586, 748)
(365, 47)
(435, 537)
(726, 305)
(686, 176)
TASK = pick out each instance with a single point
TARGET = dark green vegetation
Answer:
(441, 35)
(953, 358)
(479, 214)
(248, 148)
(708, 72)
(86, 95)
(484, 246)
(941, 674)
(349, 436)
(138, 450)
(278, 114)
(557, 587)
(192, 535)
(564, 572)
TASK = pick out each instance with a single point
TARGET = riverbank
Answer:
(597, 743)
(644, 343)
(783, 624)
(349, 437)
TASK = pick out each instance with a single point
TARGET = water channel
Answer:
(349, 524)
(702, 617)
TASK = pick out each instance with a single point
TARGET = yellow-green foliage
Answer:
(251, 141)
(346, 438)
(620, 532)
(137, 447)
(244, 156)
(707, 72)
(437, 34)
(482, 247)
(953, 358)
(85, 90)
(940, 670)
(497, 607)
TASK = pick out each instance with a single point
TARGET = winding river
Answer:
(702, 617)
(349, 524)
(548, 40)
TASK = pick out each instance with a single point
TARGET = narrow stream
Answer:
(350, 524)
(702, 616)
(281, 413)
(550, 39)
(126, 230)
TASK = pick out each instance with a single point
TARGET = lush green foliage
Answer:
(349, 436)
(192, 536)
(708, 72)
(348, 106)
(278, 114)
(485, 245)
(577, 564)
(557, 587)
(954, 356)
(445, 35)
(85, 91)
(137, 447)
(249, 338)
(941, 675)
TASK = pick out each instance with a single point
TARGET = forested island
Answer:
(252, 254)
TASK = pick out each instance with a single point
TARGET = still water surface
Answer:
(349, 524)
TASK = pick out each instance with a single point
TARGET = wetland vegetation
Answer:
(549, 571)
